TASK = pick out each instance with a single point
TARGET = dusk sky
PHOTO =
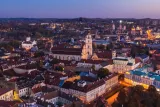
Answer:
(80, 8)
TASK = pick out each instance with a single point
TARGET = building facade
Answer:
(143, 77)
(123, 64)
(6, 94)
(28, 44)
(89, 92)
(67, 53)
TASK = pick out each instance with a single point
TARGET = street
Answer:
(112, 99)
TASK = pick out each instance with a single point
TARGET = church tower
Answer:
(88, 46)
(87, 50)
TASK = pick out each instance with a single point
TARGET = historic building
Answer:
(66, 52)
(6, 94)
(89, 91)
(124, 64)
(143, 76)
(28, 44)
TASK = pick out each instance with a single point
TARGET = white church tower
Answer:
(87, 51)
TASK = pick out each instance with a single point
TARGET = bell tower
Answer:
(88, 45)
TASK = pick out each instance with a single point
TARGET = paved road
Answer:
(112, 98)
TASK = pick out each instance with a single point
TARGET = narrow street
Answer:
(112, 99)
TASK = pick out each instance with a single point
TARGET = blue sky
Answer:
(80, 8)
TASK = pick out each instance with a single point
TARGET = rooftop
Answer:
(143, 56)
(121, 58)
(4, 90)
(142, 73)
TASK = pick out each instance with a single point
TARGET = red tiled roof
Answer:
(88, 87)
(105, 54)
(4, 90)
(92, 61)
(67, 51)
(87, 78)
(93, 85)
(8, 103)
(137, 60)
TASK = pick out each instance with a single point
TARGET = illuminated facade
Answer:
(88, 92)
(28, 44)
(6, 94)
(144, 77)
(85, 52)
(123, 64)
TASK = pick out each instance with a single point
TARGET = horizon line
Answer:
(71, 18)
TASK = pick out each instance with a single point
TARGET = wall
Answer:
(7, 96)
(67, 57)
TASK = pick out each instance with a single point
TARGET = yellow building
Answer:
(6, 94)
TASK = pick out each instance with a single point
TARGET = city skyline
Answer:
(82, 8)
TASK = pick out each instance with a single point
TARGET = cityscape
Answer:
(79, 53)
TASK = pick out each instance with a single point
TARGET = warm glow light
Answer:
(127, 72)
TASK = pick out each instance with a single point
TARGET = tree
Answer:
(102, 73)
(9, 48)
(122, 97)
(139, 89)
(152, 89)
(132, 103)
(38, 35)
(39, 54)
(94, 46)
(15, 43)
(116, 104)
(54, 61)
(109, 47)
(153, 94)
(138, 97)
(59, 68)
(101, 47)
(158, 102)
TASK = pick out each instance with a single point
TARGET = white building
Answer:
(90, 63)
(66, 53)
(144, 77)
(26, 91)
(28, 44)
(88, 92)
(124, 64)
(51, 99)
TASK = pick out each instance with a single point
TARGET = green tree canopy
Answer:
(102, 73)
(15, 43)
(39, 54)
(122, 97)
(59, 68)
